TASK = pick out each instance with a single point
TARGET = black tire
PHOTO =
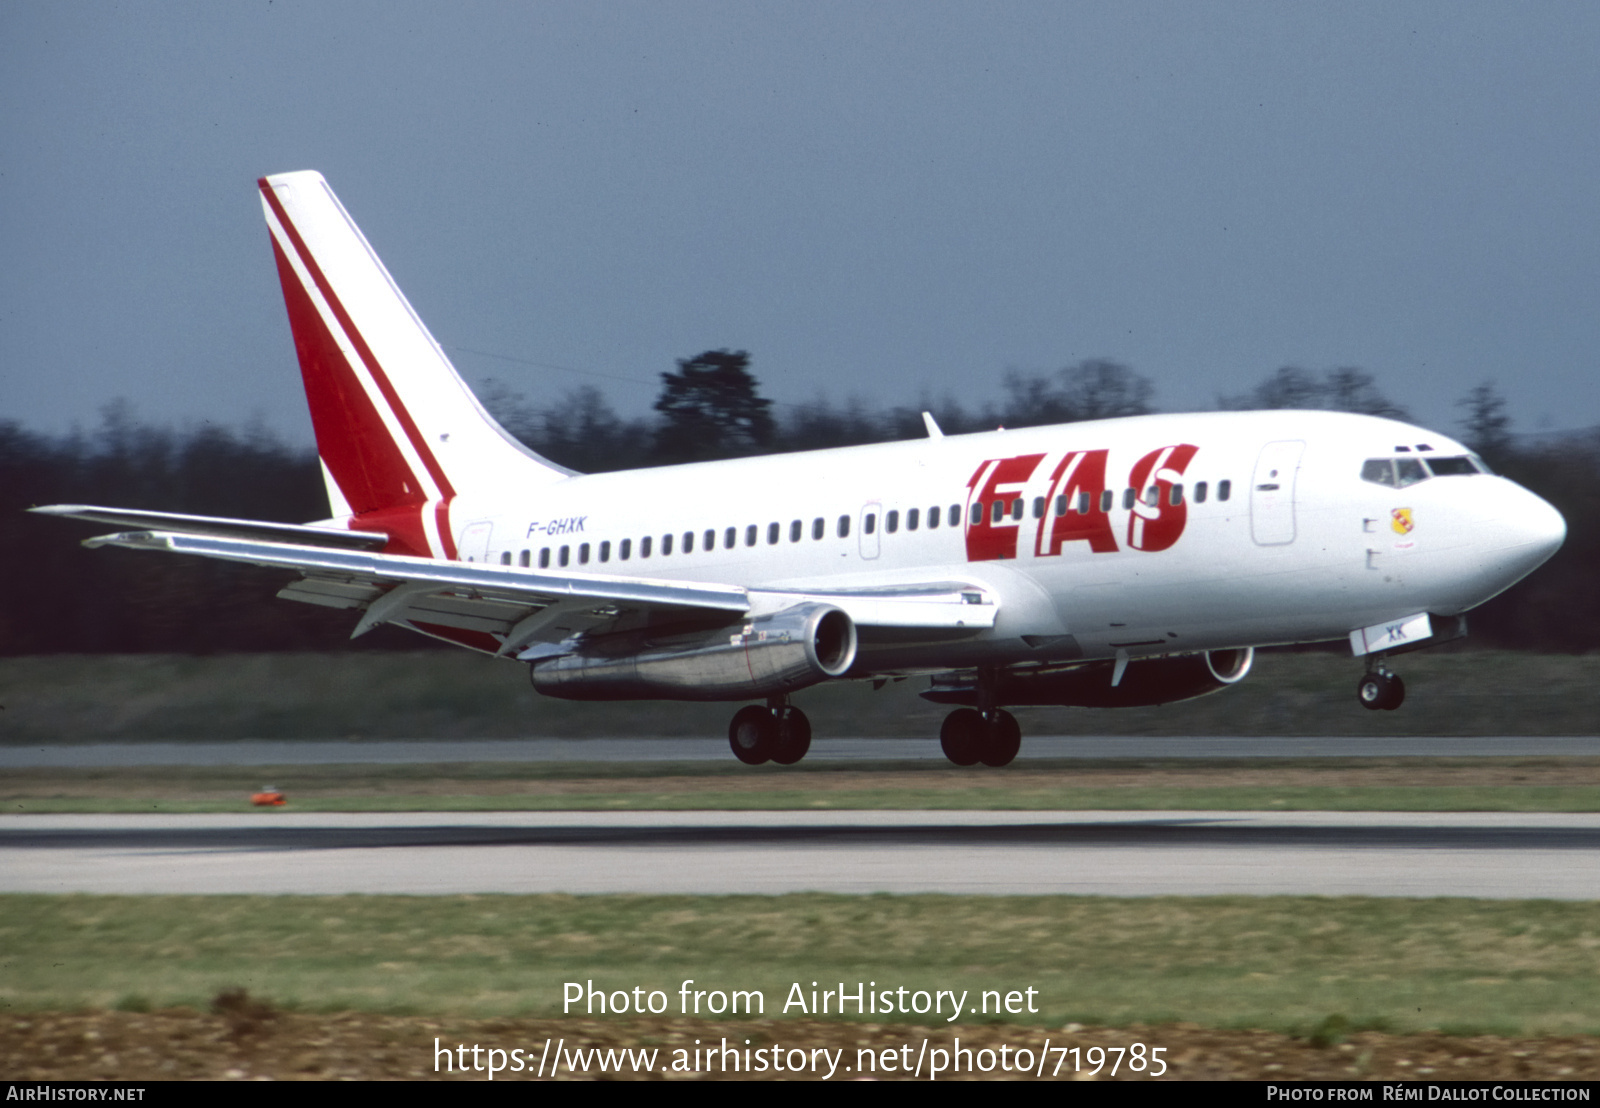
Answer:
(1380, 691)
(752, 734)
(792, 737)
(1002, 738)
(1397, 694)
(961, 737)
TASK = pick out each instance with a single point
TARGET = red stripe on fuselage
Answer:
(385, 386)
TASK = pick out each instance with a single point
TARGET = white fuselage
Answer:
(1262, 530)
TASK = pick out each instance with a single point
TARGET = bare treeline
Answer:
(60, 597)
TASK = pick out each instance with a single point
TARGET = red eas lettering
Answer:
(1157, 526)
(990, 537)
(1080, 473)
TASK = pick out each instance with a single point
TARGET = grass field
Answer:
(1281, 963)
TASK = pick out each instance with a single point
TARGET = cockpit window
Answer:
(1458, 466)
(1396, 473)
(1408, 471)
(1380, 471)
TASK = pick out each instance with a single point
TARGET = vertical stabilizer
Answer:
(399, 432)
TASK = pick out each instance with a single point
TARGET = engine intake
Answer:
(762, 656)
(1145, 683)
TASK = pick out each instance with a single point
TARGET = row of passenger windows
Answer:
(1084, 503)
(626, 549)
(913, 519)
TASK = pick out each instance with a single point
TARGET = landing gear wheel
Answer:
(1397, 693)
(1002, 739)
(961, 737)
(792, 736)
(1381, 691)
(753, 734)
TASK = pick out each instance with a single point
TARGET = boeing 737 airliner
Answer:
(1111, 563)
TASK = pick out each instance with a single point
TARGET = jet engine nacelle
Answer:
(1144, 683)
(762, 656)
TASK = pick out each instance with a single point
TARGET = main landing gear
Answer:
(1380, 689)
(778, 732)
(970, 736)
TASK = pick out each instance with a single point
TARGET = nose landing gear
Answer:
(1380, 689)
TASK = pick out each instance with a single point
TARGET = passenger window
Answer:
(773, 532)
(522, 559)
(750, 533)
(1175, 497)
(605, 551)
(819, 527)
(844, 527)
(955, 515)
(912, 518)
(644, 547)
(1129, 496)
(869, 523)
(625, 550)
(997, 511)
(1085, 502)
(1038, 507)
(795, 530)
(1061, 504)
(1199, 492)
(1224, 489)
(1105, 500)
(583, 554)
(666, 545)
(688, 542)
(933, 517)
(1409, 471)
(1152, 495)
(977, 512)
(710, 539)
(1016, 508)
(730, 538)
(566, 555)
(1380, 471)
(505, 557)
(891, 521)
(544, 558)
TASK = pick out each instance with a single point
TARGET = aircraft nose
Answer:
(1531, 530)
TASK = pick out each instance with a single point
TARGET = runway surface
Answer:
(1495, 855)
(315, 752)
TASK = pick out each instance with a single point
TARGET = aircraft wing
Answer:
(502, 609)
(306, 534)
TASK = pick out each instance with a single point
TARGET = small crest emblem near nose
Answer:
(1400, 520)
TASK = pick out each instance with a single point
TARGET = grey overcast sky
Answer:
(879, 199)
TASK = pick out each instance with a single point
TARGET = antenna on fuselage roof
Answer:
(932, 425)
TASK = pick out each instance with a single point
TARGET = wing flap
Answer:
(944, 605)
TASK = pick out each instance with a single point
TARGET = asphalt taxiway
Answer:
(1494, 855)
